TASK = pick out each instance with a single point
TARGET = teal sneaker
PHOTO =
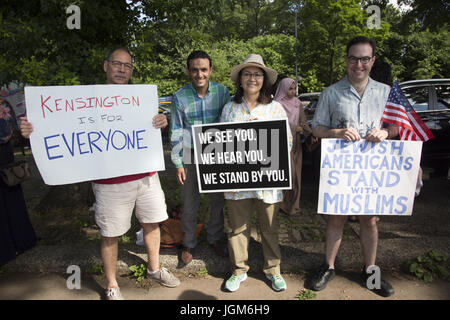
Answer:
(234, 281)
(278, 283)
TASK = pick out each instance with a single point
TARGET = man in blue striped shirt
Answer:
(199, 102)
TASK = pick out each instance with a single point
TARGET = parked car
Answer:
(430, 98)
(310, 108)
(311, 159)
(164, 104)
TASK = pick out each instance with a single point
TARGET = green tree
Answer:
(37, 47)
(414, 53)
(431, 14)
(426, 56)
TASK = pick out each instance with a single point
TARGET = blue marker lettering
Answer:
(107, 139)
(394, 182)
(47, 147)
(72, 151)
(331, 176)
(395, 147)
(139, 139)
(80, 143)
(124, 137)
(408, 163)
(327, 199)
(403, 206)
(92, 142)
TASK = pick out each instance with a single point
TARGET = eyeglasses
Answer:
(248, 75)
(118, 65)
(354, 60)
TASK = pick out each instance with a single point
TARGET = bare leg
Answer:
(369, 239)
(335, 226)
(109, 250)
(152, 239)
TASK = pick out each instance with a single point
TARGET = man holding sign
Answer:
(116, 197)
(351, 109)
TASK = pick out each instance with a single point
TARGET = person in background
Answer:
(300, 129)
(117, 197)
(199, 102)
(351, 109)
(16, 231)
(253, 101)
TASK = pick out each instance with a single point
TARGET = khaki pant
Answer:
(240, 213)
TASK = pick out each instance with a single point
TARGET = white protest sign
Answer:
(366, 178)
(83, 133)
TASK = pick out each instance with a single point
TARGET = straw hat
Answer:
(254, 60)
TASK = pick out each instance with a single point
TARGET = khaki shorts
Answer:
(114, 204)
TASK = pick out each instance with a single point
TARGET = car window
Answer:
(443, 96)
(418, 97)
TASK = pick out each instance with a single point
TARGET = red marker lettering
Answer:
(107, 104)
(81, 101)
(57, 104)
(69, 104)
(117, 103)
(90, 99)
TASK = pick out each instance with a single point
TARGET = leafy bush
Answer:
(306, 294)
(138, 272)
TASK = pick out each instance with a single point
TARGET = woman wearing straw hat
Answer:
(253, 101)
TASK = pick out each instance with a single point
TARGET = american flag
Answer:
(399, 111)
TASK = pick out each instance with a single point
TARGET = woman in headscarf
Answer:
(300, 128)
(253, 101)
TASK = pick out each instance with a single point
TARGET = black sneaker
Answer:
(385, 289)
(321, 278)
